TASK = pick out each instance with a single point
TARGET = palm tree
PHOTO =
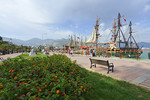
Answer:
(3, 48)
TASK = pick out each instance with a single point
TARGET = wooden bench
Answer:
(102, 62)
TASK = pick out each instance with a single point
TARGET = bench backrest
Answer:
(101, 62)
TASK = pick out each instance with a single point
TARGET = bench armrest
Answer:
(111, 63)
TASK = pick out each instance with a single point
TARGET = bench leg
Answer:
(112, 68)
(91, 66)
(108, 71)
(95, 65)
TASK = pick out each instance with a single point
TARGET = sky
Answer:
(56, 19)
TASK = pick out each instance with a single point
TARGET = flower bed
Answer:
(51, 77)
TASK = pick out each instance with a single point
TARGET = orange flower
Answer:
(27, 93)
(55, 76)
(45, 86)
(25, 83)
(81, 86)
(15, 78)
(84, 90)
(40, 90)
(49, 92)
(9, 70)
(57, 91)
(69, 81)
(20, 69)
(12, 71)
(28, 88)
(64, 76)
(1, 86)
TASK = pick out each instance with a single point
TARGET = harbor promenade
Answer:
(9, 56)
(130, 70)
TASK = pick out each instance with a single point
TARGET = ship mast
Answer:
(97, 28)
(114, 30)
(119, 32)
(131, 36)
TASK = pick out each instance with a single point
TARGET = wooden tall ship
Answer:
(120, 42)
(95, 34)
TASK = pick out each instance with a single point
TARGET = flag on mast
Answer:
(124, 19)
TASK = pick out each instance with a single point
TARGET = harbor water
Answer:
(144, 55)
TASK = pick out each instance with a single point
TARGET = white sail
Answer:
(92, 39)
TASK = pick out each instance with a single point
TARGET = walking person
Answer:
(85, 52)
(91, 52)
(69, 51)
(72, 52)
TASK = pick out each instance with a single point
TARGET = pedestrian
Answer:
(69, 51)
(91, 52)
(85, 52)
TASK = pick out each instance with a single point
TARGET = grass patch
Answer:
(107, 88)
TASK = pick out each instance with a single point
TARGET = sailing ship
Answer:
(95, 34)
(119, 42)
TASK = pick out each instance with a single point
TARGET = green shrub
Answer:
(51, 77)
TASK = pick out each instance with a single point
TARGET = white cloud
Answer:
(147, 8)
(26, 19)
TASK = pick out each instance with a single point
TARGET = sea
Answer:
(144, 55)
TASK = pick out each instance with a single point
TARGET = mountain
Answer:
(37, 42)
(144, 44)
(48, 42)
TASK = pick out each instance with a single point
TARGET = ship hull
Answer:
(126, 52)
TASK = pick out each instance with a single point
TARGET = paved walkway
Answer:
(133, 71)
(10, 55)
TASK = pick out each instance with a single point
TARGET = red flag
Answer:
(124, 19)
(78, 37)
(77, 42)
(93, 43)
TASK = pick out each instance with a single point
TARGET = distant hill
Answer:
(37, 42)
(144, 44)
(58, 42)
